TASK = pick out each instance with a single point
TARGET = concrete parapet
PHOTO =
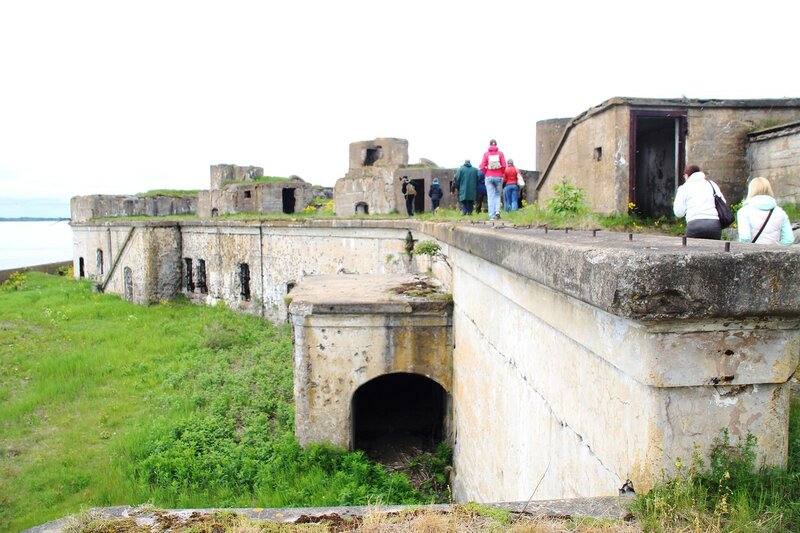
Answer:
(85, 208)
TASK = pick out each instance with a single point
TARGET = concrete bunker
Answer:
(398, 413)
(373, 365)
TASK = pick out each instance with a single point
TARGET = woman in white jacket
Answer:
(695, 201)
(759, 205)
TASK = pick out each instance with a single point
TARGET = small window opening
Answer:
(289, 286)
(362, 208)
(372, 155)
(100, 262)
(247, 194)
(188, 280)
(81, 269)
(598, 153)
(215, 212)
(128, 277)
(244, 281)
(201, 276)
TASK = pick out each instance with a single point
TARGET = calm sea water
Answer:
(34, 243)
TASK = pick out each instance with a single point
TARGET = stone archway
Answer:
(398, 414)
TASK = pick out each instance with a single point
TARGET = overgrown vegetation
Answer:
(168, 192)
(569, 199)
(730, 493)
(104, 403)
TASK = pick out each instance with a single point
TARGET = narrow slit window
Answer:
(100, 262)
(81, 268)
(201, 276)
(244, 281)
(128, 277)
(598, 153)
(188, 279)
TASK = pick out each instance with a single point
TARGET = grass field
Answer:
(103, 402)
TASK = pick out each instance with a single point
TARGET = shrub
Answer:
(569, 199)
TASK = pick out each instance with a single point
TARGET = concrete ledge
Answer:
(47, 268)
(601, 508)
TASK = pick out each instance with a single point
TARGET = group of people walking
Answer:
(494, 177)
(758, 220)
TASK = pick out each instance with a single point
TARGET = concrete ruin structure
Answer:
(234, 189)
(237, 189)
(634, 150)
(560, 363)
(372, 185)
(572, 360)
(774, 153)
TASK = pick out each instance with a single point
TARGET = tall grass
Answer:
(730, 493)
(106, 403)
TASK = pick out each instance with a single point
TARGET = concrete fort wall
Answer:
(578, 360)
(605, 180)
(774, 153)
(717, 142)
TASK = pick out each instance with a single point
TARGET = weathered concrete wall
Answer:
(717, 142)
(384, 152)
(150, 251)
(255, 197)
(548, 135)
(601, 361)
(349, 330)
(605, 181)
(223, 174)
(774, 153)
(84, 208)
(377, 192)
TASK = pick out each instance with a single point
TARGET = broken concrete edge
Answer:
(607, 507)
(649, 278)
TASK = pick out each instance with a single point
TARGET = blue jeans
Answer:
(493, 187)
(510, 195)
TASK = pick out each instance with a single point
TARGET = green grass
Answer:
(793, 211)
(107, 403)
(168, 192)
(730, 493)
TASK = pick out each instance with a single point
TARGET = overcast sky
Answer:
(122, 97)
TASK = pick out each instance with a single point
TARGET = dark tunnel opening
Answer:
(398, 415)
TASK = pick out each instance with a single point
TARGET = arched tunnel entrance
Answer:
(398, 415)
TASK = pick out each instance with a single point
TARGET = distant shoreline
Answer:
(33, 219)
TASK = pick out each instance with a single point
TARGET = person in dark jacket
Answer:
(410, 193)
(467, 179)
(435, 193)
(480, 195)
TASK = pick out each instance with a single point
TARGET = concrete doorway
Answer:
(398, 415)
(657, 160)
(288, 200)
(419, 199)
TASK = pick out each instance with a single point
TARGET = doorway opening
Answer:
(288, 200)
(81, 269)
(419, 199)
(657, 160)
(397, 415)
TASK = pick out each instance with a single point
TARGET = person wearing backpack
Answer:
(760, 220)
(410, 193)
(695, 201)
(493, 166)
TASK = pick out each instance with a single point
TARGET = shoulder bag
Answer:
(724, 212)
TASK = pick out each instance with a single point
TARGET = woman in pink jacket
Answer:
(493, 166)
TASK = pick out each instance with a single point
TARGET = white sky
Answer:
(122, 97)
